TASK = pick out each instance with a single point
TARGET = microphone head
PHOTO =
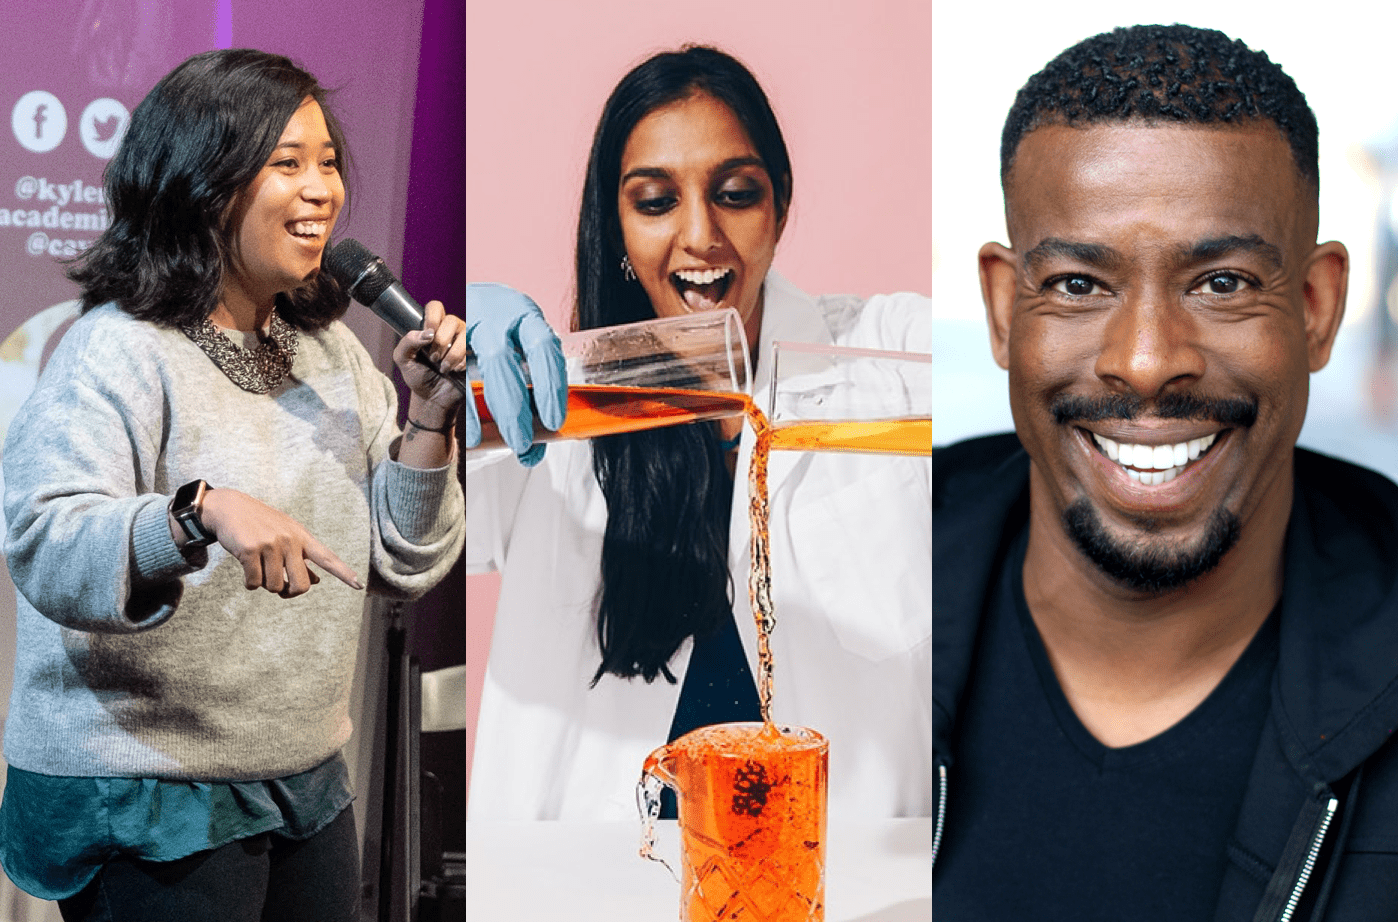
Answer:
(358, 271)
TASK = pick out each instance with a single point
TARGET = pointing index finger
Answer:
(321, 555)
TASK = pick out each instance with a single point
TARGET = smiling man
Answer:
(1166, 658)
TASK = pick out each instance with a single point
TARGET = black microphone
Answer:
(369, 282)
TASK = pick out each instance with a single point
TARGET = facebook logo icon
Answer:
(39, 121)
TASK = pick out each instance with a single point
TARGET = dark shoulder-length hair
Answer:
(665, 552)
(193, 145)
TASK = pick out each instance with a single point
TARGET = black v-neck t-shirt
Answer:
(1046, 823)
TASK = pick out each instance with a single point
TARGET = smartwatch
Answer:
(188, 508)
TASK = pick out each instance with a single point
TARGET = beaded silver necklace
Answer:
(254, 370)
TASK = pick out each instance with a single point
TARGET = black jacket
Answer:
(1317, 827)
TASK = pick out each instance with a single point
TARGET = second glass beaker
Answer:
(839, 398)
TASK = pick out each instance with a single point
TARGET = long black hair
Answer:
(665, 552)
(193, 144)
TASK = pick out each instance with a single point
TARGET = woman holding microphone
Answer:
(206, 443)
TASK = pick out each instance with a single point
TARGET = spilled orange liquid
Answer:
(752, 822)
(760, 571)
(899, 436)
(753, 801)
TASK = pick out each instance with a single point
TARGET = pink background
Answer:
(851, 85)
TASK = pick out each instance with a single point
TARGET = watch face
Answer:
(187, 507)
(191, 494)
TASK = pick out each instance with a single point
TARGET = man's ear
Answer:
(1326, 280)
(998, 270)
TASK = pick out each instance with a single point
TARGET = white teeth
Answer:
(1153, 464)
(308, 228)
(701, 276)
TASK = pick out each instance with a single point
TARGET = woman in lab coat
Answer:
(623, 618)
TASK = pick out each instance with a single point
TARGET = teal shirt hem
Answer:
(57, 832)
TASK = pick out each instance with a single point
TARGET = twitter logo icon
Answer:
(102, 126)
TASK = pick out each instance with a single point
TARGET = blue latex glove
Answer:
(501, 326)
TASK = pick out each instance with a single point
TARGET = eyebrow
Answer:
(298, 145)
(1097, 254)
(655, 172)
(1094, 254)
(1214, 247)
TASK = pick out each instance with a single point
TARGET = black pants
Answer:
(266, 878)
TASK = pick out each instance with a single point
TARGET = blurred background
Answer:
(1341, 58)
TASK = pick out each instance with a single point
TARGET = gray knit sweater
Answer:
(134, 662)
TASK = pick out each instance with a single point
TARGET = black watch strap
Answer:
(187, 507)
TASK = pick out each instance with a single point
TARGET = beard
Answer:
(1141, 566)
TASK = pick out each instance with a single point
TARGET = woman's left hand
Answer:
(443, 340)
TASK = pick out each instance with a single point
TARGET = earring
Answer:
(627, 270)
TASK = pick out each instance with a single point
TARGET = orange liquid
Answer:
(894, 436)
(760, 573)
(902, 436)
(753, 833)
(753, 796)
(600, 410)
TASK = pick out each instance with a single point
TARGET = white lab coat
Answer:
(852, 590)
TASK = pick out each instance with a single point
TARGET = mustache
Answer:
(1235, 412)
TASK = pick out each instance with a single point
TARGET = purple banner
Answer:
(73, 72)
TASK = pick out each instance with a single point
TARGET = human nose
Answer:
(1149, 345)
(699, 232)
(316, 186)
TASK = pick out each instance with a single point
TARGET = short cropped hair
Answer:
(1163, 74)
(193, 145)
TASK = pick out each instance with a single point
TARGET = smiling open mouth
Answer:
(307, 230)
(1152, 465)
(702, 289)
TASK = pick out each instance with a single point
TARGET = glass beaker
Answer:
(642, 375)
(838, 398)
(752, 820)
